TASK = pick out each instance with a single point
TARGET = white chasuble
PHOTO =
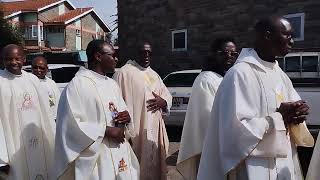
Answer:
(53, 94)
(196, 121)
(247, 138)
(87, 106)
(313, 171)
(150, 143)
(29, 134)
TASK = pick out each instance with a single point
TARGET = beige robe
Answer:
(196, 121)
(26, 131)
(151, 141)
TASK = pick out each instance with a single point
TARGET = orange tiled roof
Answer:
(69, 15)
(26, 5)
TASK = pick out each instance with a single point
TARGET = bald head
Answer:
(12, 47)
(13, 58)
(271, 24)
(39, 67)
(144, 54)
(274, 36)
(39, 59)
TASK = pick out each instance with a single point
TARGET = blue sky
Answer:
(104, 8)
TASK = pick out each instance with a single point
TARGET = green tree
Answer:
(10, 34)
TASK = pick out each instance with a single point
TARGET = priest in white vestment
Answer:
(91, 123)
(40, 69)
(314, 171)
(224, 53)
(147, 99)
(26, 131)
(257, 119)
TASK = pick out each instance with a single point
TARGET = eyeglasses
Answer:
(109, 54)
(231, 53)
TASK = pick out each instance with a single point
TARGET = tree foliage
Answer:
(10, 34)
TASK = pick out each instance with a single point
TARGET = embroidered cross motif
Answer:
(122, 166)
(51, 100)
(279, 97)
(39, 177)
(149, 80)
(33, 142)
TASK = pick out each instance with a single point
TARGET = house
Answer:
(54, 25)
(181, 30)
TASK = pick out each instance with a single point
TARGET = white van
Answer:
(62, 74)
(303, 70)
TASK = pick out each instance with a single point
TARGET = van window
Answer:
(180, 79)
(309, 63)
(293, 64)
(64, 74)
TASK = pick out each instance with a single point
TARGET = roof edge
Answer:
(53, 4)
(107, 27)
(79, 16)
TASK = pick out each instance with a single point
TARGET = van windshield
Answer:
(180, 79)
(64, 74)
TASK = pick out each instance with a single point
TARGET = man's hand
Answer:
(5, 169)
(301, 111)
(293, 112)
(122, 118)
(156, 103)
(115, 133)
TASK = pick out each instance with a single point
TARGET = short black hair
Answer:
(220, 41)
(37, 57)
(93, 47)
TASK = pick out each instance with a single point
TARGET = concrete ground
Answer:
(174, 134)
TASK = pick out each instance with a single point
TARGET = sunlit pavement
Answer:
(174, 134)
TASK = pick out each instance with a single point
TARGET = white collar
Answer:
(249, 55)
(90, 74)
(134, 63)
(14, 75)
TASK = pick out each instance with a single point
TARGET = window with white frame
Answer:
(78, 32)
(41, 33)
(297, 22)
(179, 40)
(34, 33)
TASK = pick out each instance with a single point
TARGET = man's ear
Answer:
(24, 60)
(97, 56)
(267, 35)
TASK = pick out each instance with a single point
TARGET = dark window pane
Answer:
(179, 40)
(180, 80)
(296, 24)
(293, 64)
(309, 63)
(281, 63)
(64, 75)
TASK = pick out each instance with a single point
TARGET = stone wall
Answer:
(70, 38)
(88, 24)
(205, 20)
(51, 13)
